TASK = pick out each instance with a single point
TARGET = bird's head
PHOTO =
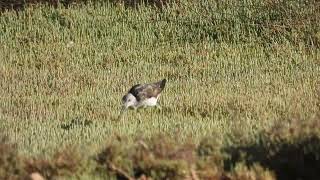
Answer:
(128, 101)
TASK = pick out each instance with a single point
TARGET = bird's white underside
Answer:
(148, 102)
(131, 101)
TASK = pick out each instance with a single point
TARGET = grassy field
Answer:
(234, 70)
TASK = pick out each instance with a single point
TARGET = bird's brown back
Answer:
(144, 91)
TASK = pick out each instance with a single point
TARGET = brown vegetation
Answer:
(163, 158)
(11, 164)
(65, 162)
(290, 152)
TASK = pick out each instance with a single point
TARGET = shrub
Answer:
(291, 149)
(11, 164)
(65, 162)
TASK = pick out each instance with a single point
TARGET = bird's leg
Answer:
(158, 106)
(137, 109)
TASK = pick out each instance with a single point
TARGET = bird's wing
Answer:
(154, 89)
(135, 90)
(151, 90)
(144, 91)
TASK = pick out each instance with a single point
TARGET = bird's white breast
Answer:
(149, 102)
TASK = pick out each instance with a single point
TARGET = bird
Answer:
(143, 95)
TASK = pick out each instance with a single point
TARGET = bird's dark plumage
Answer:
(143, 91)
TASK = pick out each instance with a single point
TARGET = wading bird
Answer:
(143, 95)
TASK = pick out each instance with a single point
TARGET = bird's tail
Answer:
(163, 83)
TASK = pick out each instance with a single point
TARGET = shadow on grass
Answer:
(289, 160)
(76, 122)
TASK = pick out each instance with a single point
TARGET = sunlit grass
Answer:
(63, 73)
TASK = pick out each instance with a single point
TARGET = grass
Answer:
(233, 72)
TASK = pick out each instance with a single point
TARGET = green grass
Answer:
(229, 74)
